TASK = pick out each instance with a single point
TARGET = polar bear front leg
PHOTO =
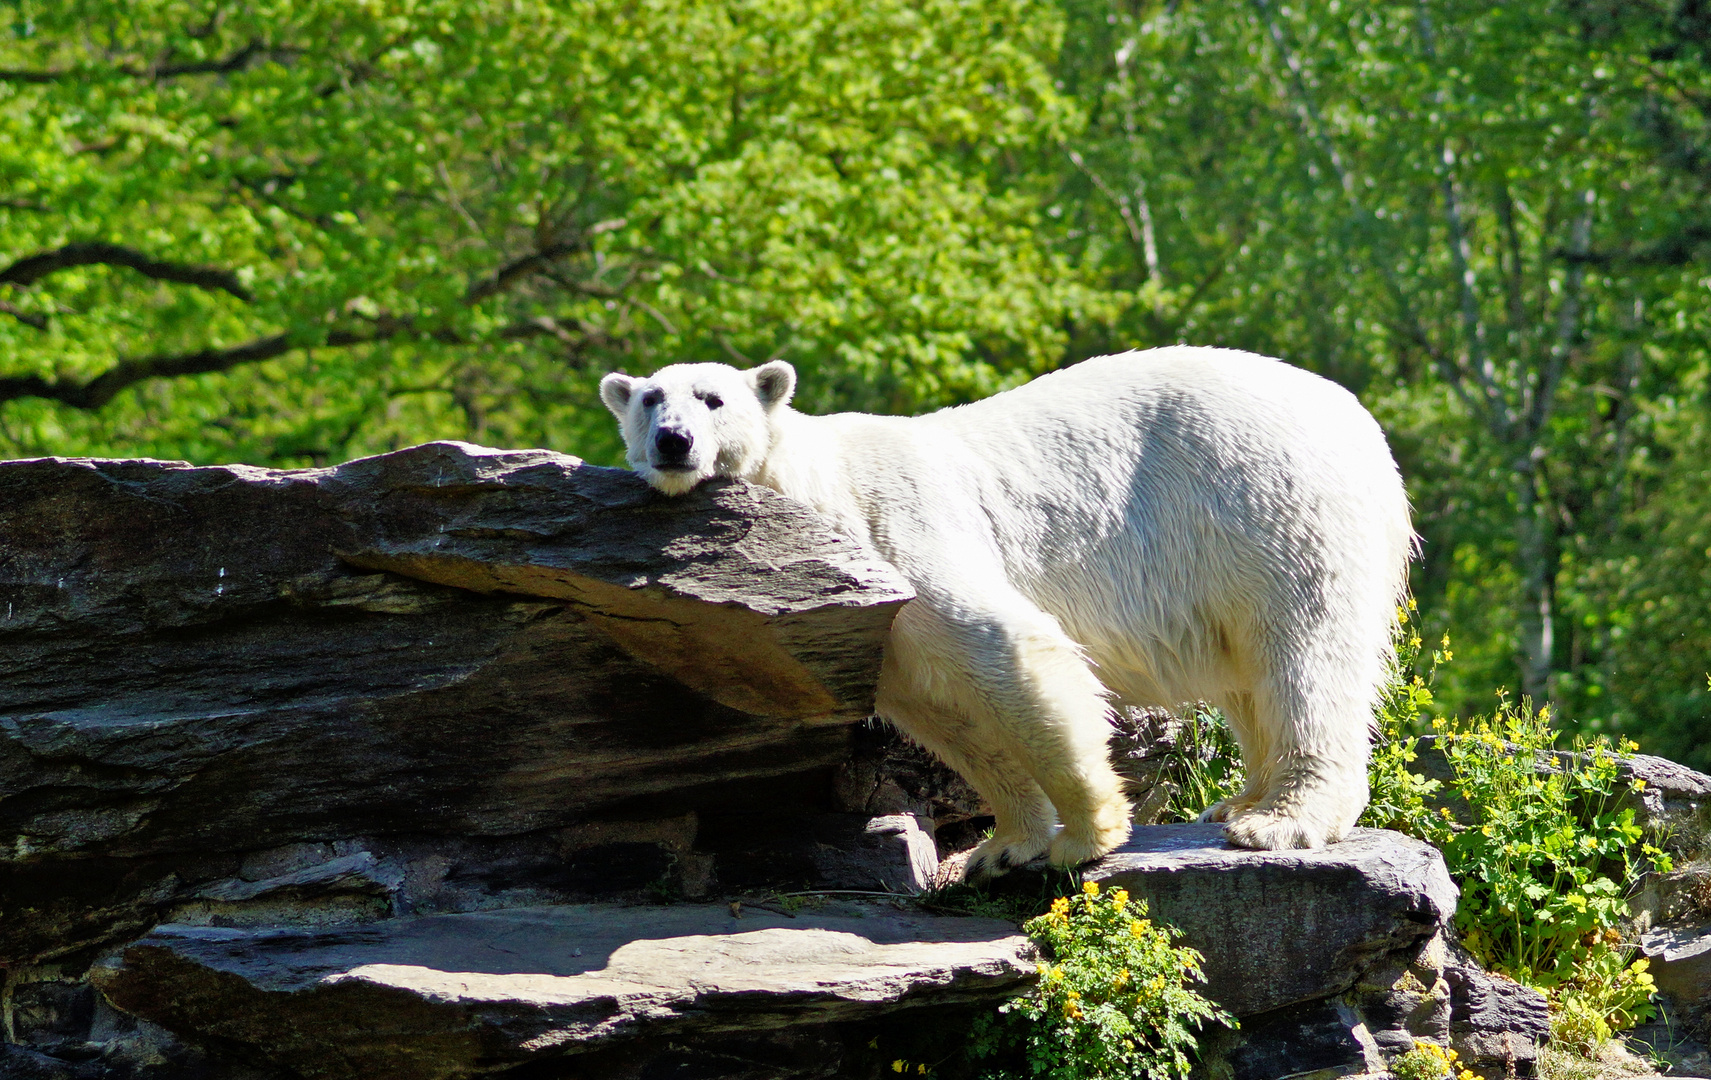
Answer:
(924, 690)
(1026, 689)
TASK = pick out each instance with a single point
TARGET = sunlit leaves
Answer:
(515, 196)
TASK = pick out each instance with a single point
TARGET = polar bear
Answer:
(1150, 528)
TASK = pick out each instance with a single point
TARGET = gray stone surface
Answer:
(1495, 1022)
(196, 663)
(888, 853)
(1282, 927)
(1673, 1038)
(1682, 897)
(1681, 962)
(1326, 1038)
(448, 996)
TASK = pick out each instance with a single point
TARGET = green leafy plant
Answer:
(1605, 993)
(1114, 1000)
(1538, 840)
(1203, 765)
(1398, 795)
(1546, 855)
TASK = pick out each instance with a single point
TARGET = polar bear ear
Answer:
(615, 392)
(773, 383)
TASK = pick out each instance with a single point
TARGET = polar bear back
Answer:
(1177, 510)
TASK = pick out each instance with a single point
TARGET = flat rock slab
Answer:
(447, 996)
(1681, 962)
(1282, 927)
(446, 640)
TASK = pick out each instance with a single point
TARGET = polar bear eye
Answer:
(652, 398)
(712, 400)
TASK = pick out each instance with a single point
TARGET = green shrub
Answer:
(1429, 1061)
(1605, 994)
(1543, 851)
(1396, 794)
(1115, 999)
(1203, 765)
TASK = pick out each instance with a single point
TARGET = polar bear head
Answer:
(689, 422)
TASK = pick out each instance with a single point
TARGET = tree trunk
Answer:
(1536, 557)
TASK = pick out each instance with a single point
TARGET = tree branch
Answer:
(40, 322)
(508, 274)
(104, 387)
(254, 52)
(101, 389)
(32, 268)
(1136, 235)
(1311, 123)
(1479, 361)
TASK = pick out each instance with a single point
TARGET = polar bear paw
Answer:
(1002, 854)
(1074, 846)
(1269, 830)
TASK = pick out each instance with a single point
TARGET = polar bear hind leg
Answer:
(1008, 701)
(1314, 785)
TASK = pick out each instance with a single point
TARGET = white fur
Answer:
(1188, 523)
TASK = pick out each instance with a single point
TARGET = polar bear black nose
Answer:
(673, 445)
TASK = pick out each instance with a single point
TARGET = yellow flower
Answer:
(921, 1070)
(1060, 906)
(899, 1065)
(1120, 896)
(1639, 785)
(1091, 888)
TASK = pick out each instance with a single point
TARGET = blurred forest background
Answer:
(291, 232)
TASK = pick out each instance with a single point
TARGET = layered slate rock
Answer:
(1333, 958)
(450, 996)
(197, 663)
(1282, 927)
(1279, 928)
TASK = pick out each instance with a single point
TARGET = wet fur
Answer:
(1143, 529)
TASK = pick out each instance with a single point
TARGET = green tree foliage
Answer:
(344, 226)
(292, 231)
(1487, 219)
